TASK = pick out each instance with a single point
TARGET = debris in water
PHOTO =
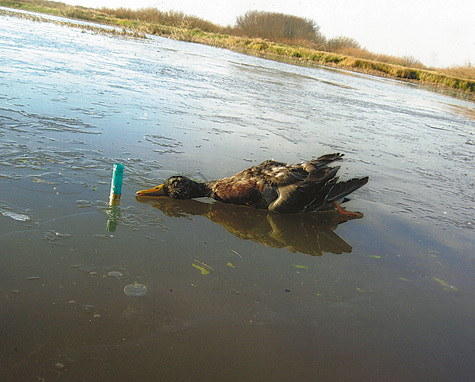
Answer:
(55, 237)
(84, 203)
(204, 270)
(39, 180)
(59, 366)
(300, 266)
(102, 236)
(33, 278)
(135, 290)
(206, 265)
(374, 256)
(16, 216)
(235, 252)
(115, 274)
(445, 284)
(230, 265)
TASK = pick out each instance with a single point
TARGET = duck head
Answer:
(177, 187)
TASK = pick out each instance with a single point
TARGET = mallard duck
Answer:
(276, 186)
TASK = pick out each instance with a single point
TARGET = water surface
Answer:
(231, 293)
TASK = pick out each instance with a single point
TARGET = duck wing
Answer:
(318, 190)
(308, 195)
(280, 174)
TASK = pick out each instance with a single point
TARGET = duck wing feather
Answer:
(310, 194)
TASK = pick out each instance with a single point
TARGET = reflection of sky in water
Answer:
(72, 104)
(202, 101)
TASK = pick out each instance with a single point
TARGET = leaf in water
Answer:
(230, 265)
(204, 270)
(39, 180)
(374, 256)
(300, 266)
(403, 279)
(444, 284)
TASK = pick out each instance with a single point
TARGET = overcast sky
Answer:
(439, 33)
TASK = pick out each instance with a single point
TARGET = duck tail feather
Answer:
(345, 188)
(320, 197)
(330, 157)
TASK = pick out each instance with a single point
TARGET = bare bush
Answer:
(278, 26)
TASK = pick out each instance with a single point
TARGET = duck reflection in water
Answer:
(309, 233)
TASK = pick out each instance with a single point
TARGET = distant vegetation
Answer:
(278, 27)
(165, 18)
(266, 34)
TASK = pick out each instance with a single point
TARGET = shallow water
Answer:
(231, 293)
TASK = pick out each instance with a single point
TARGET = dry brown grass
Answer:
(168, 18)
(462, 71)
(409, 62)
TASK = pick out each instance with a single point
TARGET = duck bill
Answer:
(155, 191)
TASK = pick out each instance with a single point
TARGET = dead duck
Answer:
(276, 186)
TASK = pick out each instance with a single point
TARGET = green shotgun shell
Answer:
(116, 184)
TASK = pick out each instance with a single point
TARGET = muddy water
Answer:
(232, 293)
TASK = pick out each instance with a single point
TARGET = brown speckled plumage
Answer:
(279, 187)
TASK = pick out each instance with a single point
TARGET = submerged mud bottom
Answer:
(211, 352)
(218, 306)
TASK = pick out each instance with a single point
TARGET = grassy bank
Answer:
(178, 26)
